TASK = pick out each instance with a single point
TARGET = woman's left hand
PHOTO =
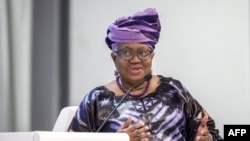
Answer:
(203, 132)
(136, 132)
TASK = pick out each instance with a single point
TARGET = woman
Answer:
(139, 103)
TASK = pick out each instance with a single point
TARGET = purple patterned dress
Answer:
(170, 112)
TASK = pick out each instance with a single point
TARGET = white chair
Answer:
(61, 132)
(64, 119)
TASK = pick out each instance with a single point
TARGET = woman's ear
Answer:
(113, 56)
(152, 55)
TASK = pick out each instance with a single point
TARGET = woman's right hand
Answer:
(136, 132)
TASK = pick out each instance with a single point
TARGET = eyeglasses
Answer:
(128, 55)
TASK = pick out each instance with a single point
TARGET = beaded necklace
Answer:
(124, 90)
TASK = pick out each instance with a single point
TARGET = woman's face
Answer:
(133, 61)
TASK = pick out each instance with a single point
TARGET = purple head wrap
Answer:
(143, 27)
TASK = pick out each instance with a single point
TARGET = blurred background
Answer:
(52, 52)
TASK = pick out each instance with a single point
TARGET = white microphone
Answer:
(146, 78)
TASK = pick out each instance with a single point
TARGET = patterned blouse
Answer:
(170, 112)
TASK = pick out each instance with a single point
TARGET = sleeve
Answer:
(194, 113)
(84, 118)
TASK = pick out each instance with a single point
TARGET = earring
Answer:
(116, 73)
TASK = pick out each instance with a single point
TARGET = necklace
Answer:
(124, 90)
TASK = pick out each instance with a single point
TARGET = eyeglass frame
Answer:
(133, 54)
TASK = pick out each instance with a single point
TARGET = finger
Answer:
(137, 138)
(139, 125)
(134, 133)
(202, 138)
(145, 135)
(198, 138)
(138, 129)
(204, 121)
(203, 130)
(127, 123)
(135, 127)
(143, 129)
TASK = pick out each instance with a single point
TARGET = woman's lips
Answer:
(135, 70)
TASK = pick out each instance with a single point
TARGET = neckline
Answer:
(124, 90)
